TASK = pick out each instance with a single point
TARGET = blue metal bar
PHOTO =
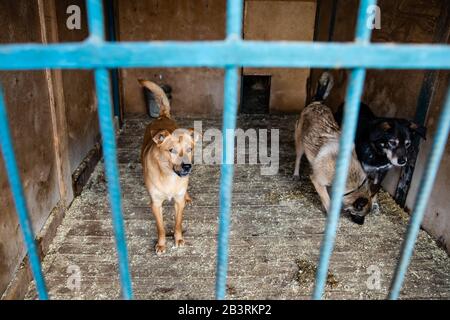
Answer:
(89, 55)
(234, 19)
(95, 19)
(234, 30)
(353, 96)
(226, 180)
(423, 195)
(103, 90)
(12, 172)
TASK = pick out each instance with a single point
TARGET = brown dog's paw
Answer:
(179, 243)
(160, 249)
(187, 198)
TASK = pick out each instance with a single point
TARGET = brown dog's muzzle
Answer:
(183, 170)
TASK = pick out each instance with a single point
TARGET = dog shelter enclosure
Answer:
(277, 225)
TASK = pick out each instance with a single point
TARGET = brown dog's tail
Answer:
(159, 96)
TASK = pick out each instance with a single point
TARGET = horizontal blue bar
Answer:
(96, 54)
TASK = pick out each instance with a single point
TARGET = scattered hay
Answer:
(231, 290)
(307, 273)
(275, 197)
(391, 209)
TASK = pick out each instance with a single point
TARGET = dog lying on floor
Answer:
(317, 136)
(382, 143)
(166, 157)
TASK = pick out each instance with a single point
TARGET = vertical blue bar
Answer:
(95, 20)
(12, 172)
(226, 180)
(352, 102)
(423, 194)
(234, 19)
(103, 90)
(234, 32)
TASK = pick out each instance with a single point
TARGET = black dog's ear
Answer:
(379, 127)
(384, 125)
(420, 130)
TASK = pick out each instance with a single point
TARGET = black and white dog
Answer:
(382, 143)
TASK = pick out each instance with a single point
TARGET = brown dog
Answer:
(317, 135)
(166, 158)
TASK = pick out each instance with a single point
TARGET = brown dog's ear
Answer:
(160, 136)
(194, 134)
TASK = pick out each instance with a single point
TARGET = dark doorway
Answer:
(255, 94)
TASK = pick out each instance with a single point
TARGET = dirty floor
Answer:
(277, 227)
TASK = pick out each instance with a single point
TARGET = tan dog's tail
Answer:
(324, 86)
(159, 95)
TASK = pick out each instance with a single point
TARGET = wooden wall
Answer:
(200, 91)
(53, 120)
(287, 21)
(79, 94)
(195, 91)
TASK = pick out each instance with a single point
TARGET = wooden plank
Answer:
(425, 100)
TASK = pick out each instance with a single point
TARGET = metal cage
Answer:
(232, 53)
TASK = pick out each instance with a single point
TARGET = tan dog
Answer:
(317, 135)
(166, 157)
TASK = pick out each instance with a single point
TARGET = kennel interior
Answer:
(277, 224)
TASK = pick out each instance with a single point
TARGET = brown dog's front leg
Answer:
(157, 212)
(180, 203)
(187, 198)
(323, 193)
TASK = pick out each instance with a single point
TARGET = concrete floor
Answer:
(277, 227)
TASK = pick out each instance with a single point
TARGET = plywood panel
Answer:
(281, 20)
(195, 91)
(27, 101)
(78, 90)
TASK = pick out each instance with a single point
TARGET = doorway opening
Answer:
(255, 94)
